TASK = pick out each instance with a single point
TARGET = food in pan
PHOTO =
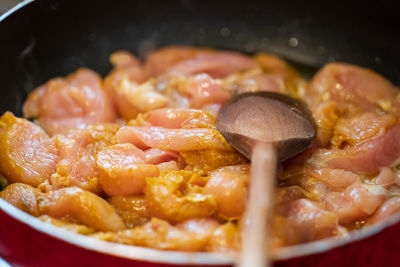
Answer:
(135, 158)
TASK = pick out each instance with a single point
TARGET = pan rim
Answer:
(180, 258)
(15, 8)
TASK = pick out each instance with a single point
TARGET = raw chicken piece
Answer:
(76, 166)
(81, 205)
(336, 179)
(203, 90)
(132, 98)
(302, 221)
(172, 139)
(142, 98)
(169, 166)
(229, 186)
(366, 197)
(225, 239)
(122, 170)
(78, 149)
(389, 208)
(157, 156)
(22, 196)
(176, 197)
(355, 129)
(190, 91)
(338, 191)
(368, 157)
(27, 155)
(161, 60)
(132, 209)
(255, 80)
(284, 196)
(95, 137)
(359, 201)
(72, 102)
(216, 64)
(353, 88)
(311, 221)
(127, 70)
(386, 177)
(180, 118)
(211, 159)
(343, 193)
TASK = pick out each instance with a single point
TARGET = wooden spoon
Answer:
(266, 128)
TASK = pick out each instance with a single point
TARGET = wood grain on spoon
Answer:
(263, 169)
(266, 128)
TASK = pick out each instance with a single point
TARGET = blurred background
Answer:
(7, 4)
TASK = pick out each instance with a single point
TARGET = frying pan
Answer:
(43, 39)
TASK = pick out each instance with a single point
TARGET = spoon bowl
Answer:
(267, 117)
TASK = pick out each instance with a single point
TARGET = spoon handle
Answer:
(259, 207)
